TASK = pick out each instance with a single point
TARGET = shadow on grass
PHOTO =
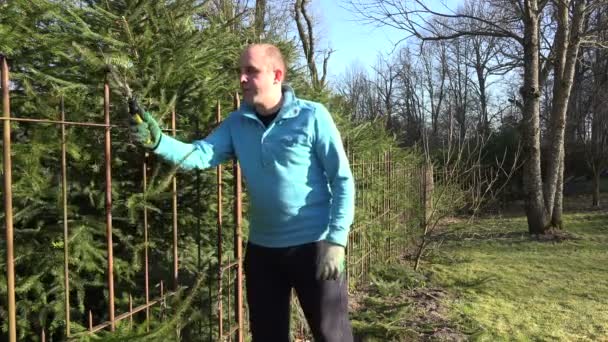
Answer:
(510, 236)
(474, 283)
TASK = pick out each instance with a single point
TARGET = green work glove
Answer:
(332, 262)
(145, 130)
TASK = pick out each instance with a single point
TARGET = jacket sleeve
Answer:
(330, 151)
(200, 154)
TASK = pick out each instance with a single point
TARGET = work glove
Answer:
(332, 262)
(145, 131)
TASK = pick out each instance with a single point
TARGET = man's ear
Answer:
(278, 75)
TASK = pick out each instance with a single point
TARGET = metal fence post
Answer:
(174, 207)
(238, 242)
(108, 160)
(8, 204)
(64, 195)
(219, 238)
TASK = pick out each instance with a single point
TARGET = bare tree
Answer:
(459, 85)
(305, 27)
(487, 60)
(597, 145)
(259, 18)
(229, 11)
(590, 104)
(434, 57)
(412, 98)
(359, 93)
(519, 21)
(386, 89)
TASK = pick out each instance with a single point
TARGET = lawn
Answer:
(491, 281)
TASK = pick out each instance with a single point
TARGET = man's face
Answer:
(257, 76)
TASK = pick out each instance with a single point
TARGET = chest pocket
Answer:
(293, 140)
(292, 149)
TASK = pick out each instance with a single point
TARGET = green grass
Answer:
(500, 285)
(507, 286)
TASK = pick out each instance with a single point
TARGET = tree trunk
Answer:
(566, 46)
(260, 13)
(596, 188)
(484, 125)
(533, 191)
(556, 217)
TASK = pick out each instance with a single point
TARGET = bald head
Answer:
(272, 54)
(262, 75)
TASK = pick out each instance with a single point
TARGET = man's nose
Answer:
(243, 78)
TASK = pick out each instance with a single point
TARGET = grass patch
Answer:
(509, 286)
(491, 281)
(398, 305)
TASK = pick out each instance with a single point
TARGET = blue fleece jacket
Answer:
(299, 182)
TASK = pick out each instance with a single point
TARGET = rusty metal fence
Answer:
(390, 199)
(229, 275)
(389, 207)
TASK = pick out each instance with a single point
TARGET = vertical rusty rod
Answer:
(90, 320)
(371, 248)
(351, 247)
(238, 242)
(162, 299)
(387, 157)
(130, 311)
(365, 199)
(43, 336)
(219, 238)
(174, 205)
(8, 204)
(64, 191)
(146, 262)
(108, 160)
(199, 210)
(198, 204)
(229, 284)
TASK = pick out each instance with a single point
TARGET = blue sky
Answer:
(353, 41)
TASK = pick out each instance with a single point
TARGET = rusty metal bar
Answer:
(198, 239)
(130, 311)
(8, 204)
(238, 241)
(229, 286)
(366, 207)
(140, 308)
(43, 336)
(229, 266)
(232, 331)
(219, 237)
(146, 243)
(93, 329)
(70, 123)
(360, 179)
(174, 206)
(60, 122)
(359, 183)
(388, 204)
(386, 255)
(108, 160)
(64, 194)
(350, 246)
(362, 258)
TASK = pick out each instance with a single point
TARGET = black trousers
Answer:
(271, 273)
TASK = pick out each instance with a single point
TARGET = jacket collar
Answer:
(289, 109)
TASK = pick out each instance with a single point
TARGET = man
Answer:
(301, 194)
